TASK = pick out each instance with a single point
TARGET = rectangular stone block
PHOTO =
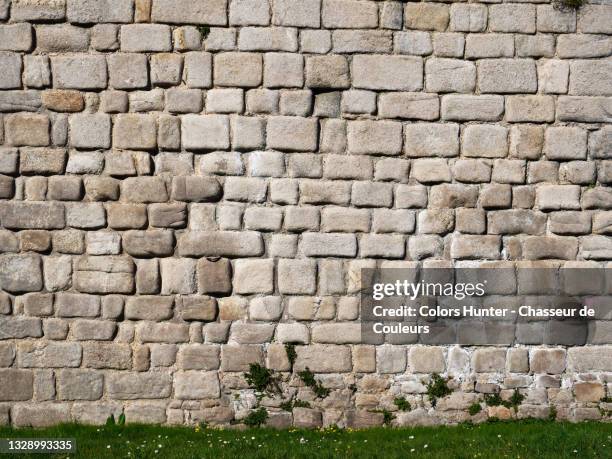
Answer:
(584, 109)
(20, 327)
(292, 133)
(509, 18)
(210, 132)
(16, 37)
(430, 139)
(17, 101)
(536, 109)
(349, 14)
(488, 45)
(40, 414)
(589, 77)
(79, 385)
(323, 358)
(93, 11)
(90, 131)
(507, 76)
(104, 274)
(43, 354)
(198, 357)
(135, 132)
(220, 243)
(196, 385)
(329, 245)
(409, 106)
(303, 14)
(374, 137)
(475, 247)
(485, 141)
(79, 71)
(555, 197)
(327, 72)
(143, 38)
(32, 215)
(16, 385)
(26, 129)
(426, 16)
(450, 75)
(238, 358)
(362, 41)
(472, 108)
(207, 12)
(107, 355)
(130, 386)
(268, 39)
(238, 69)
(398, 73)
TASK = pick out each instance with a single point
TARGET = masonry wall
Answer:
(186, 185)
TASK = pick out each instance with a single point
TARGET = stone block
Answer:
(253, 276)
(507, 76)
(195, 385)
(79, 71)
(206, 12)
(450, 75)
(399, 73)
(339, 14)
(238, 69)
(205, 132)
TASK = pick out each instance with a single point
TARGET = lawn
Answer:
(526, 439)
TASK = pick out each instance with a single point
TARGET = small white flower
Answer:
(411, 437)
(412, 450)
(425, 446)
(107, 446)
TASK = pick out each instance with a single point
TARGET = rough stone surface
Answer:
(189, 186)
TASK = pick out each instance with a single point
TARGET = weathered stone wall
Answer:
(174, 208)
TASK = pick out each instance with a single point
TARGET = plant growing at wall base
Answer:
(475, 408)
(110, 421)
(516, 399)
(262, 379)
(297, 403)
(388, 417)
(256, 418)
(402, 404)
(309, 380)
(513, 402)
(437, 388)
(495, 400)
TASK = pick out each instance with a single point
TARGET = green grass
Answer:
(525, 439)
